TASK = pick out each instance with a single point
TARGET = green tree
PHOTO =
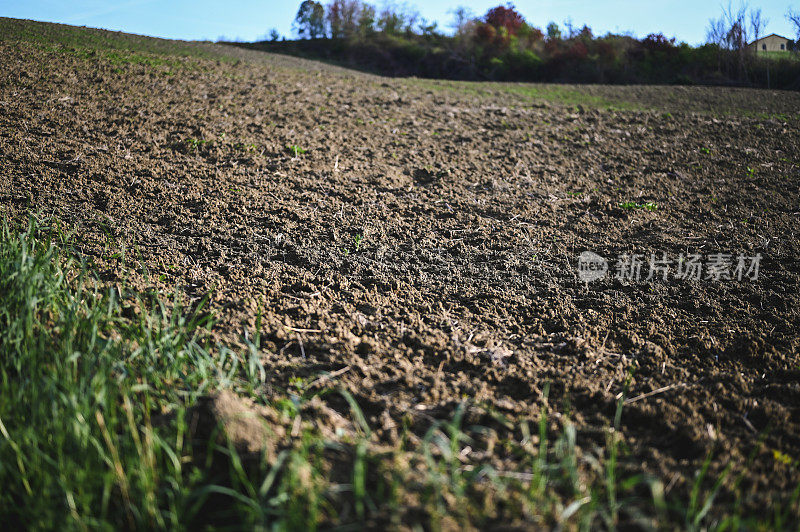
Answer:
(428, 29)
(343, 17)
(310, 20)
(366, 20)
(396, 19)
(553, 32)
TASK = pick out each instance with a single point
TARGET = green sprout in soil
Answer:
(299, 383)
(244, 147)
(633, 206)
(356, 245)
(295, 150)
(194, 144)
(751, 172)
(706, 151)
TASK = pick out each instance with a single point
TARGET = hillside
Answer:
(400, 335)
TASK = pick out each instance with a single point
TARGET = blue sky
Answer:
(250, 19)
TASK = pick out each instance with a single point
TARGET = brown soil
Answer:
(426, 242)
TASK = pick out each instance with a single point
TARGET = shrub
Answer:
(523, 64)
(656, 42)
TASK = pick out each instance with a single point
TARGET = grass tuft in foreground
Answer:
(79, 390)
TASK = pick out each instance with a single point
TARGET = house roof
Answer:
(770, 35)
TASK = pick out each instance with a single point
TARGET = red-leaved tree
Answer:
(505, 17)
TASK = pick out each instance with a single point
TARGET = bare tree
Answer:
(794, 17)
(715, 34)
(462, 18)
(757, 25)
(730, 30)
(737, 37)
(571, 31)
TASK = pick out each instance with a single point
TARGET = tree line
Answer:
(503, 45)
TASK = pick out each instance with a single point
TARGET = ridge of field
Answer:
(152, 50)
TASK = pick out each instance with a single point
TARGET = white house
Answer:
(771, 43)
